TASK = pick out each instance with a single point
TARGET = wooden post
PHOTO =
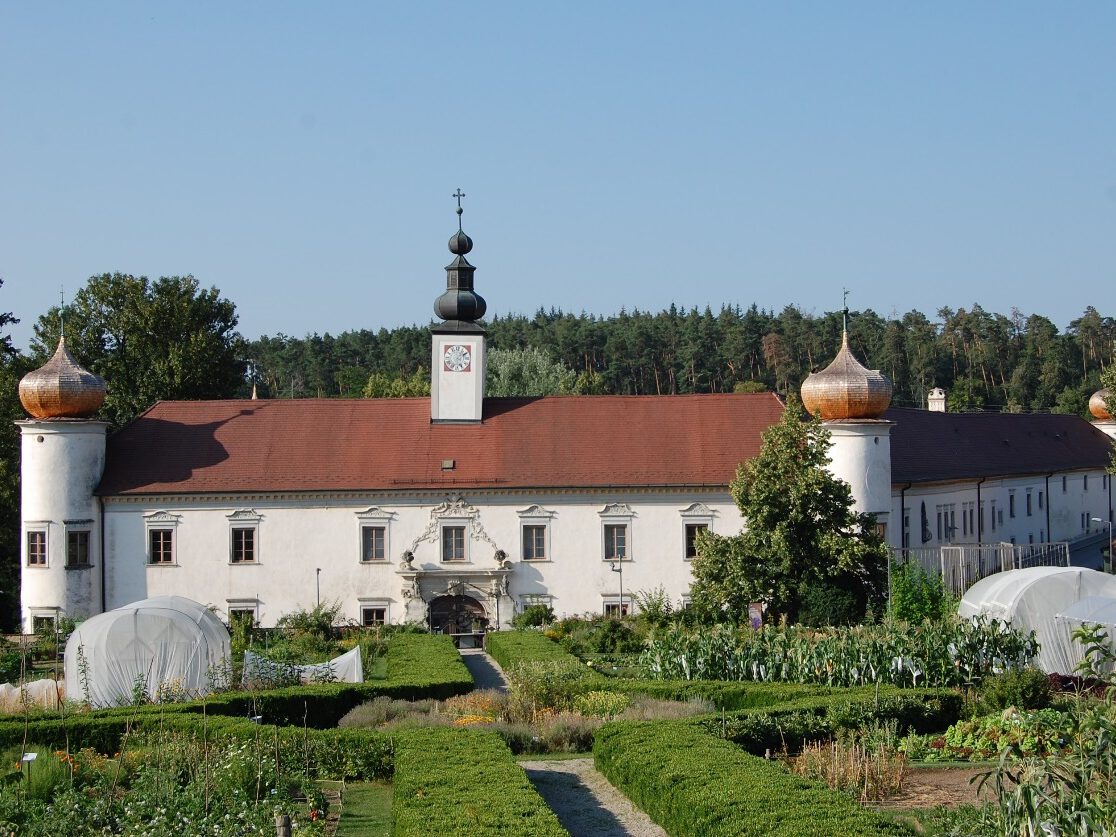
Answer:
(282, 825)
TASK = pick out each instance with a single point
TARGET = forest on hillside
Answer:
(984, 360)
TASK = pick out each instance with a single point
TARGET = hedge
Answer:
(722, 694)
(464, 783)
(510, 647)
(695, 785)
(789, 724)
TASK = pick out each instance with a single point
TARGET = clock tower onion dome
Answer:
(460, 303)
(1098, 405)
(846, 389)
(61, 388)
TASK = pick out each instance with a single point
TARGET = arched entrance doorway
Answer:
(461, 617)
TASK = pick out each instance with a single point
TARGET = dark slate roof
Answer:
(376, 444)
(932, 447)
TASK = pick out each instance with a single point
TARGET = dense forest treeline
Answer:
(983, 360)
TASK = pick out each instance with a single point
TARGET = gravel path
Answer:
(586, 804)
(486, 672)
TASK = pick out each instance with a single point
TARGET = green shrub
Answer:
(1026, 688)
(534, 616)
(829, 602)
(917, 596)
(696, 785)
(464, 783)
(538, 685)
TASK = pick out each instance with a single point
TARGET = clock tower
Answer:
(457, 357)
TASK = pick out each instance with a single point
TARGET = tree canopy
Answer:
(802, 542)
(149, 340)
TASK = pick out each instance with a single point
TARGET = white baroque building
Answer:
(461, 510)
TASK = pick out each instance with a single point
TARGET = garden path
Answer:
(486, 672)
(584, 801)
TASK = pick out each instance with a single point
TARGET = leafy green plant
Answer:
(918, 596)
(534, 616)
(1025, 688)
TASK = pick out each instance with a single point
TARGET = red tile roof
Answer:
(377, 444)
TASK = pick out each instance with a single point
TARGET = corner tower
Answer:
(851, 399)
(457, 354)
(1102, 416)
(63, 457)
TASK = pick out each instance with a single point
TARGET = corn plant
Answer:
(951, 654)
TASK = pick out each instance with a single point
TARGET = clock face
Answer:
(457, 358)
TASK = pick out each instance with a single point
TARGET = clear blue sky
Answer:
(301, 157)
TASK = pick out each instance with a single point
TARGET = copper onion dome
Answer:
(61, 388)
(846, 389)
(1098, 407)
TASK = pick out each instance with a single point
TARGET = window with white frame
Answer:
(992, 514)
(1041, 500)
(533, 599)
(374, 612)
(242, 610)
(373, 544)
(1084, 482)
(162, 537)
(1029, 512)
(534, 533)
(616, 535)
(374, 526)
(615, 609)
(453, 543)
(244, 537)
(43, 622)
(947, 522)
(616, 542)
(534, 542)
(692, 532)
(36, 548)
(1011, 503)
(77, 548)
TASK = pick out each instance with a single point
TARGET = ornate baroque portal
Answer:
(463, 594)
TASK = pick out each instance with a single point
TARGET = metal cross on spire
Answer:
(62, 311)
(844, 309)
(459, 195)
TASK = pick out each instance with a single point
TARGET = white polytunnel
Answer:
(1032, 599)
(166, 641)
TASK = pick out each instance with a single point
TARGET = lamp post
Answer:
(1109, 524)
(612, 565)
(318, 586)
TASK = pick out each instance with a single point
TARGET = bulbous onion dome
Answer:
(61, 388)
(846, 389)
(1098, 407)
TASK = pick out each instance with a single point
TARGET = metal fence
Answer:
(963, 565)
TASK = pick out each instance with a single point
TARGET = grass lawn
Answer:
(366, 811)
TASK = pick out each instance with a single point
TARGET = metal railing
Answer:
(963, 565)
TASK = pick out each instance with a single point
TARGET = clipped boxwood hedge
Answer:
(695, 785)
(511, 647)
(789, 724)
(464, 783)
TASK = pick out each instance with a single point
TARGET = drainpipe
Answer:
(101, 506)
(980, 513)
(1049, 534)
(904, 536)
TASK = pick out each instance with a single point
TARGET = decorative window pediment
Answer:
(162, 519)
(376, 514)
(245, 516)
(453, 510)
(617, 510)
(536, 511)
(698, 510)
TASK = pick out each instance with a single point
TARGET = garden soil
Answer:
(584, 801)
(927, 787)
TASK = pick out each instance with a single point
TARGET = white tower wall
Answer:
(861, 456)
(1108, 428)
(62, 463)
(457, 376)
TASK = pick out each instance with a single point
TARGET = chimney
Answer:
(936, 400)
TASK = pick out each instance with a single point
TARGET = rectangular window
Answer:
(1028, 504)
(243, 546)
(616, 541)
(1030, 538)
(1000, 517)
(1085, 482)
(1042, 536)
(77, 549)
(692, 530)
(36, 549)
(42, 624)
(453, 543)
(1041, 499)
(1011, 505)
(162, 546)
(370, 617)
(614, 610)
(534, 543)
(1063, 483)
(964, 523)
(372, 544)
(242, 616)
(939, 523)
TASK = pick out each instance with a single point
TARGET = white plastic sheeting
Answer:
(39, 693)
(1031, 599)
(167, 641)
(344, 669)
(1092, 610)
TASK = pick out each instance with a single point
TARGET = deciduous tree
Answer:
(801, 532)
